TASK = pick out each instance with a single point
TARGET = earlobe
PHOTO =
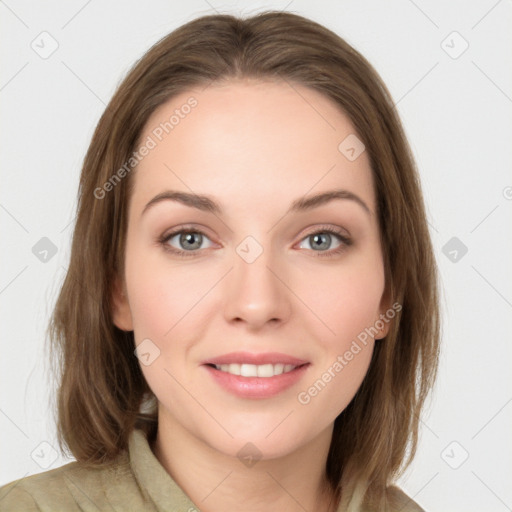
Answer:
(386, 316)
(383, 329)
(121, 312)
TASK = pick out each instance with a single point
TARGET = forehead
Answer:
(250, 139)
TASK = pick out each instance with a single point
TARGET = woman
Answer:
(250, 316)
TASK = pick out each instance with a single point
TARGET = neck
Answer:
(216, 481)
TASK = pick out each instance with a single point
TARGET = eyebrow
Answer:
(207, 204)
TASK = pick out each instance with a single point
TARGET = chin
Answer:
(264, 440)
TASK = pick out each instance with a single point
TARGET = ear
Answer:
(121, 314)
(385, 317)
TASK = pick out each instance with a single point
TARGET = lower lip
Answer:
(257, 387)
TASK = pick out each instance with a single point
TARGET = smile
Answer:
(253, 370)
(256, 375)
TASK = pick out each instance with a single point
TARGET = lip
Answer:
(256, 387)
(258, 359)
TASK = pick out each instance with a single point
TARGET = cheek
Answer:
(346, 349)
(162, 303)
(161, 295)
(346, 300)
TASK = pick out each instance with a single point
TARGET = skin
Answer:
(254, 147)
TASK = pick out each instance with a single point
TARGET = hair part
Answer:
(102, 387)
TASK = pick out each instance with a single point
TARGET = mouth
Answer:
(262, 375)
(252, 370)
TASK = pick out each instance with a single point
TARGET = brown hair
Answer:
(101, 384)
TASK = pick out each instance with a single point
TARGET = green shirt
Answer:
(137, 481)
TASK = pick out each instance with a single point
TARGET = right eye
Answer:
(189, 239)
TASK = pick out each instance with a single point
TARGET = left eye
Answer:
(322, 240)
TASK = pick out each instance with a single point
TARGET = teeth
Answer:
(265, 370)
(253, 370)
(278, 369)
(230, 368)
(248, 370)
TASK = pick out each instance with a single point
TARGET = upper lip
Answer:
(256, 359)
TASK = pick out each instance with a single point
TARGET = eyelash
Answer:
(346, 241)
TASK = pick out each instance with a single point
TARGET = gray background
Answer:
(456, 106)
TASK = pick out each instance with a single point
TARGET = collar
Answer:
(153, 480)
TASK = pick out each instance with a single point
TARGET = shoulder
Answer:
(395, 500)
(398, 500)
(69, 487)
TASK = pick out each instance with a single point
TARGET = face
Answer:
(246, 280)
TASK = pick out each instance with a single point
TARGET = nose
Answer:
(256, 293)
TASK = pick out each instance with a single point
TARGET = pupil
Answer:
(318, 237)
(188, 238)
